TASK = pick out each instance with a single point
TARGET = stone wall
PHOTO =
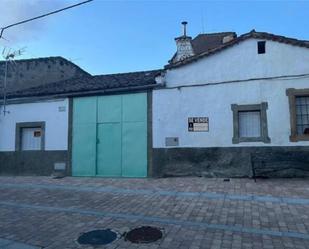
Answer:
(34, 72)
(31, 162)
(231, 161)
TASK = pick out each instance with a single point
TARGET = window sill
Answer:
(28, 150)
(298, 138)
(237, 140)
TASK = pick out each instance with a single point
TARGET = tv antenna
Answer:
(9, 57)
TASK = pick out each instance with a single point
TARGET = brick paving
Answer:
(11, 244)
(192, 212)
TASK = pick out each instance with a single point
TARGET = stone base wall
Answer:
(231, 161)
(39, 163)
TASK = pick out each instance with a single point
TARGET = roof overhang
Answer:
(251, 34)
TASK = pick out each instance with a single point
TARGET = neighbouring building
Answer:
(28, 73)
(222, 104)
(34, 131)
(88, 126)
(34, 136)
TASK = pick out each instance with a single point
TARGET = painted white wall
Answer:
(242, 61)
(56, 123)
(172, 107)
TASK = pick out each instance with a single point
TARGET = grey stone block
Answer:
(30, 162)
(230, 161)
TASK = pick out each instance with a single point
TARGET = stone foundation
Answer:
(231, 161)
(31, 162)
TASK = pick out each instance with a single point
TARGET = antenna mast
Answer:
(9, 57)
(4, 86)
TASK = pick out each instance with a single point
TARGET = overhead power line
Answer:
(279, 77)
(41, 16)
(10, 56)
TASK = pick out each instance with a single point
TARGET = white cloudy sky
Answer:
(13, 11)
(112, 36)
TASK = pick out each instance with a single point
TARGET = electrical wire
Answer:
(282, 77)
(41, 16)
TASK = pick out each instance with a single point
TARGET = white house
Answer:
(244, 100)
(87, 126)
(34, 136)
(224, 106)
(34, 130)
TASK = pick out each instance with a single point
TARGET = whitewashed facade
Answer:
(34, 137)
(53, 112)
(252, 107)
(209, 86)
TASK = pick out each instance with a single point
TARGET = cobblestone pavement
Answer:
(192, 212)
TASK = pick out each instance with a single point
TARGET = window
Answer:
(299, 114)
(30, 136)
(261, 47)
(250, 123)
(302, 115)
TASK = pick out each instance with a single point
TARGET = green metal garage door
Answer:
(110, 136)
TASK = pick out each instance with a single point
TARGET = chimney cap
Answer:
(184, 23)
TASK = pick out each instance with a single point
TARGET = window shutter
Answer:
(31, 138)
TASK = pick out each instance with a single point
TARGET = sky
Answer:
(104, 37)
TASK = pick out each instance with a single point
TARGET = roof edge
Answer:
(142, 71)
(52, 58)
(13, 98)
(252, 34)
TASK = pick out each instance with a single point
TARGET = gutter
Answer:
(35, 98)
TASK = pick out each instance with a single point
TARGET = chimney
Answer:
(228, 38)
(184, 46)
